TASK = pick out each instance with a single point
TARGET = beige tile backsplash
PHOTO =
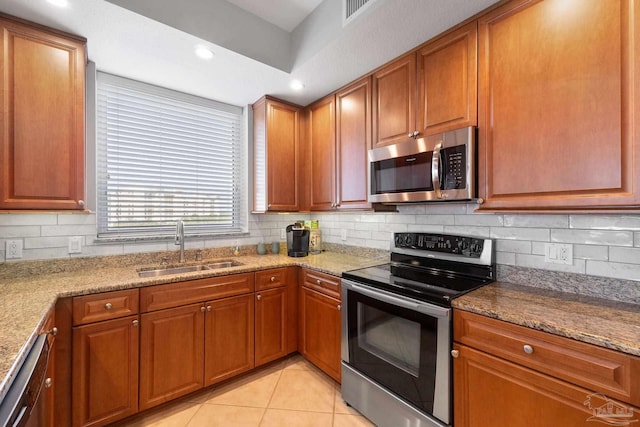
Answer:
(604, 245)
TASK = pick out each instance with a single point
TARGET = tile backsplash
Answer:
(603, 245)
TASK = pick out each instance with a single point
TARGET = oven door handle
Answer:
(435, 170)
(428, 309)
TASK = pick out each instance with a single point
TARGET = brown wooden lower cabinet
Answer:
(491, 392)
(229, 336)
(105, 371)
(319, 329)
(171, 353)
(271, 321)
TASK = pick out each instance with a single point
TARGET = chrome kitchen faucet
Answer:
(180, 238)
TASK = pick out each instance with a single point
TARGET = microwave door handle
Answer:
(435, 170)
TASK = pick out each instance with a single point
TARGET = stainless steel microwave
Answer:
(438, 167)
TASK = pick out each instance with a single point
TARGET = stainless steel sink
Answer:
(188, 268)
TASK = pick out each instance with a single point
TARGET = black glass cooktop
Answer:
(425, 284)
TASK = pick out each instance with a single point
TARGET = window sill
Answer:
(167, 237)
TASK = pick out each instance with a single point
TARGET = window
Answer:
(165, 156)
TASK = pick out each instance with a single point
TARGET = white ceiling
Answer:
(285, 14)
(254, 55)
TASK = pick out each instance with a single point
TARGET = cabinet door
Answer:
(229, 335)
(557, 103)
(105, 371)
(491, 392)
(353, 139)
(42, 131)
(394, 94)
(319, 327)
(276, 127)
(271, 325)
(322, 151)
(171, 354)
(448, 90)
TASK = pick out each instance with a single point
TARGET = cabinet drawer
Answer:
(322, 282)
(273, 278)
(192, 291)
(104, 306)
(607, 371)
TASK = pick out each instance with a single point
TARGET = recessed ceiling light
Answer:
(296, 85)
(59, 3)
(204, 52)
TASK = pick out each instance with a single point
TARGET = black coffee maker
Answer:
(297, 240)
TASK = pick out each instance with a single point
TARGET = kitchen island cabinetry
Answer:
(105, 357)
(508, 375)
(177, 320)
(276, 136)
(42, 130)
(319, 324)
(276, 314)
(557, 109)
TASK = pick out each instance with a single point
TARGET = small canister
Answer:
(315, 241)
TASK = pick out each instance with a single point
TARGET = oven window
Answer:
(403, 174)
(394, 339)
(394, 346)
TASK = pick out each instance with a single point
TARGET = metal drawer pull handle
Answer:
(53, 331)
(528, 349)
(455, 354)
(319, 282)
(108, 306)
(258, 297)
(203, 309)
(208, 308)
(48, 383)
(339, 307)
(273, 279)
(135, 323)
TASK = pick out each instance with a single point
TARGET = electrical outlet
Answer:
(13, 249)
(343, 234)
(558, 253)
(75, 245)
(283, 234)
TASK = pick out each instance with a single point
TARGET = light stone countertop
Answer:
(27, 296)
(605, 323)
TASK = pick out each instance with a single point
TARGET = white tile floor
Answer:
(291, 393)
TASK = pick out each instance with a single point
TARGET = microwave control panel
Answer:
(455, 167)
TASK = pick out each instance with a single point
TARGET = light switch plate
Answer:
(75, 245)
(558, 253)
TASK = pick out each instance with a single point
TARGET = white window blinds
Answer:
(164, 156)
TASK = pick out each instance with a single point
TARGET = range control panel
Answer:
(470, 247)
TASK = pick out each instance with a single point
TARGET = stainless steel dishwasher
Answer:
(22, 405)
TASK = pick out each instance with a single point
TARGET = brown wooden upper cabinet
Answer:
(557, 105)
(339, 136)
(42, 130)
(276, 134)
(447, 74)
(394, 100)
(441, 76)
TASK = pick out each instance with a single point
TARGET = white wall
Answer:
(603, 245)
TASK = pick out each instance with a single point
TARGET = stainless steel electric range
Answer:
(397, 323)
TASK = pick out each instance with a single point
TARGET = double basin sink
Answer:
(165, 271)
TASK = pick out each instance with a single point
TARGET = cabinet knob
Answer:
(339, 307)
(273, 279)
(108, 306)
(528, 349)
(81, 203)
(135, 323)
(455, 354)
(203, 309)
(258, 297)
(208, 308)
(410, 135)
(48, 382)
(319, 282)
(53, 331)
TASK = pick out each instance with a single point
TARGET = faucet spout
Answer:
(180, 238)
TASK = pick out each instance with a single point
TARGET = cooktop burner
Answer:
(432, 267)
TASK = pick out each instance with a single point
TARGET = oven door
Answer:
(401, 344)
